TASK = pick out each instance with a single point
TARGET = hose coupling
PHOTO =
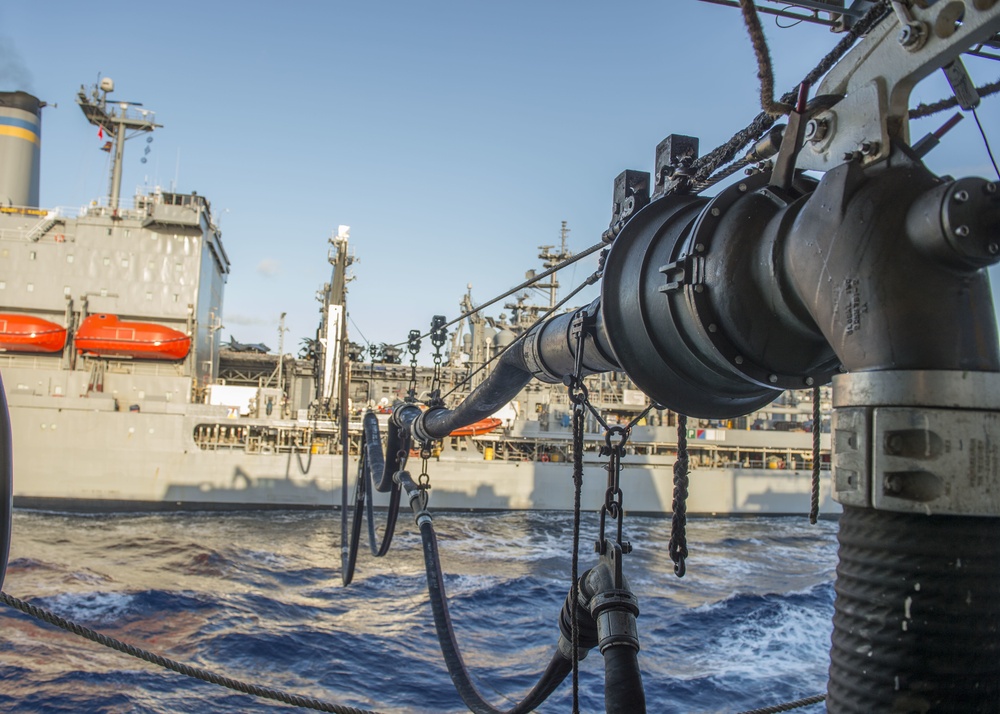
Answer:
(419, 427)
(615, 612)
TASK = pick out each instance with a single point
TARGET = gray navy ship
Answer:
(123, 395)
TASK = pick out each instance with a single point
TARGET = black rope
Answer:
(814, 500)
(308, 465)
(578, 415)
(578, 396)
(364, 495)
(678, 520)
(926, 110)
(776, 709)
(187, 670)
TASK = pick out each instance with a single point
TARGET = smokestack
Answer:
(20, 148)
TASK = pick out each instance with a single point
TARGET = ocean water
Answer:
(257, 596)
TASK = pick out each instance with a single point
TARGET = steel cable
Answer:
(777, 708)
(187, 670)
(589, 281)
(527, 283)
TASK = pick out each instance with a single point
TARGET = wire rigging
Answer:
(986, 141)
(589, 281)
(527, 283)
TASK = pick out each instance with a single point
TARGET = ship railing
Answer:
(257, 439)
(499, 447)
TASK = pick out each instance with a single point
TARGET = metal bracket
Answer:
(877, 76)
(893, 452)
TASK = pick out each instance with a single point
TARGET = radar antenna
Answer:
(116, 119)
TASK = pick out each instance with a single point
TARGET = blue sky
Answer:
(453, 137)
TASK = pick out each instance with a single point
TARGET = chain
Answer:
(424, 479)
(439, 334)
(413, 347)
(578, 398)
(613, 499)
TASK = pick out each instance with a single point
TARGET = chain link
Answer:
(439, 335)
(413, 347)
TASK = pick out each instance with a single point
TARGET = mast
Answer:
(333, 330)
(551, 259)
(115, 119)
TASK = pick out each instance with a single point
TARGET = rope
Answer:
(764, 71)
(815, 699)
(578, 414)
(187, 670)
(814, 502)
(678, 519)
(578, 396)
(926, 110)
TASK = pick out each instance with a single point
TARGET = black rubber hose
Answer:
(587, 636)
(504, 383)
(373, 445)
(349, 545)
(916, 623)
(623, 692)
(377, 467)
(558, 668)
(6, 483)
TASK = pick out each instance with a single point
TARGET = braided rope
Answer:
(925, 110)
(814, 501)
(678, 520)
(187, 670)
(765, 72)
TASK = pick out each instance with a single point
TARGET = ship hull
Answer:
(81, 453)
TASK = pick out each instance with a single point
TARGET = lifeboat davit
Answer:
(27, 333)
(483, 426)
(106, 335)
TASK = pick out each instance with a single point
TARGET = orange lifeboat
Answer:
(107, 335)
(483, 426)
(27, 333)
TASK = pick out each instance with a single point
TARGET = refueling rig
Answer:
(873, 276)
